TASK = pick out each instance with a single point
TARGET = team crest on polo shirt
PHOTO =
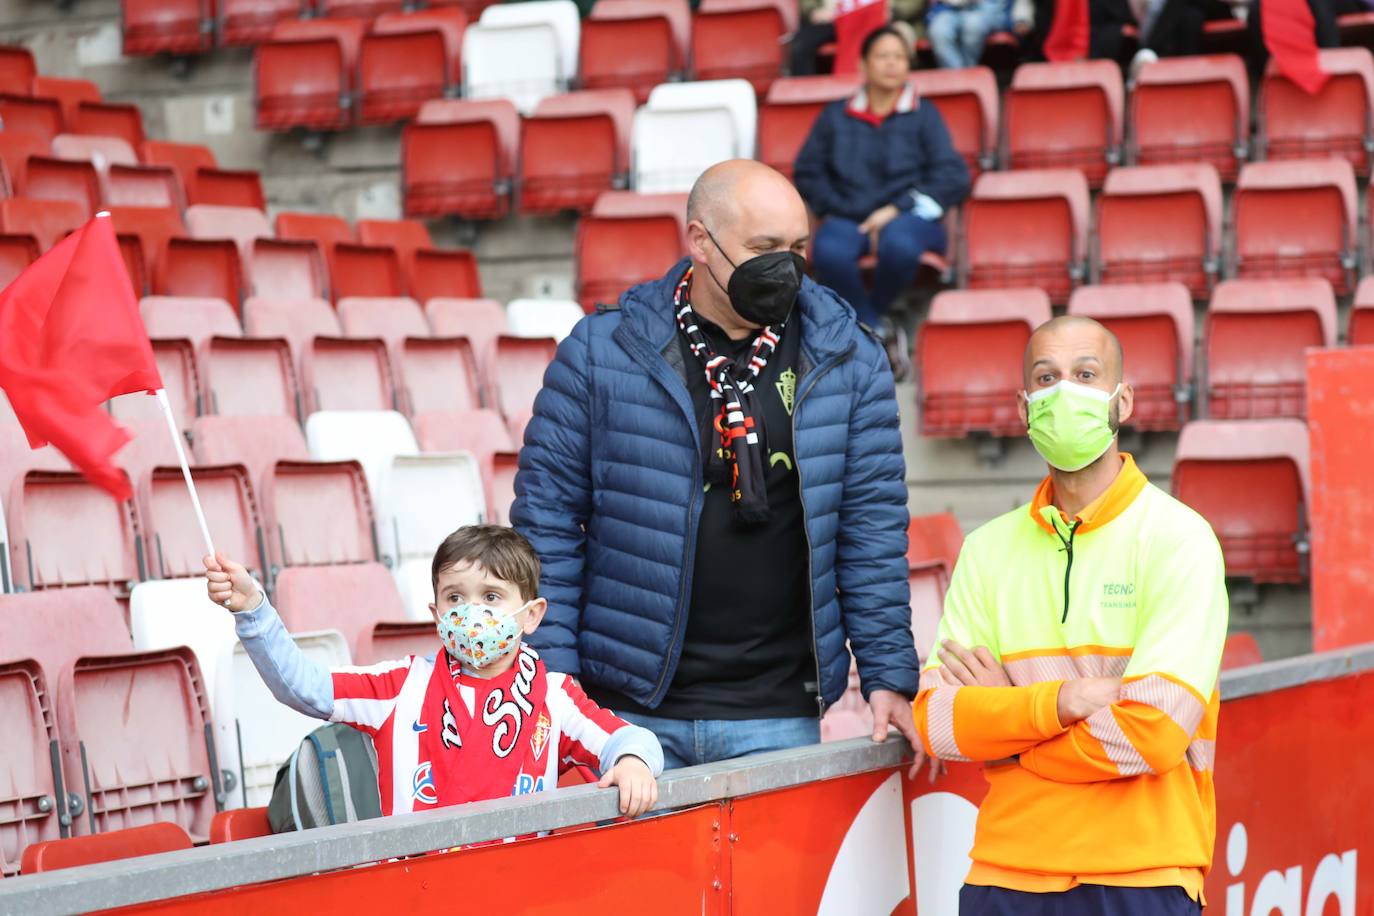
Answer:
(787, 389)
(541, 735)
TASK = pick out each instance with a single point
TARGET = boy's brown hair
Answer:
(501, 551)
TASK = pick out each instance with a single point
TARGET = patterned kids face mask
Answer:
(479, 634)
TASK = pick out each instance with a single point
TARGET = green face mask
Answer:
(1070, 424)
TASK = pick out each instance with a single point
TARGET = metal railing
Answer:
(291, 855)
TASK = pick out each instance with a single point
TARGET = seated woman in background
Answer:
(880, 170)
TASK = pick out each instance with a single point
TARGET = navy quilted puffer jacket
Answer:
(610, 489)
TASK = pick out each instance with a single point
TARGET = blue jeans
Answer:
(691, 742)
(957, 34)
(840, 244)
(1084, 900)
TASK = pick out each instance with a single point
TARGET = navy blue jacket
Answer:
(610, 489)
(849, 167)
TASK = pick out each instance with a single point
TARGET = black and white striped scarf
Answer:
(739, 461)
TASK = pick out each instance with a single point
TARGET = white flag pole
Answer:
(185, 468)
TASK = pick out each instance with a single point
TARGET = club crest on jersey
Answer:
(504, 717)
(450, 735)
(541, 735)
(422, 785)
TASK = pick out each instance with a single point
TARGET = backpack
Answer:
(331, 778)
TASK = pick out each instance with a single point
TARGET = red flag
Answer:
(70, 339)
(855, 20)
(1069, 32)
(1290, 34)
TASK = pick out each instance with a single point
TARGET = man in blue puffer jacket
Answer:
(713, 480)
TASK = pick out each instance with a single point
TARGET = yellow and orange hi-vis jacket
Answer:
(1134, 587)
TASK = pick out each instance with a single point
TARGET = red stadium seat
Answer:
(48, 221)
(201, 268)
(393, 319)
(147, 230)
(628, 238)
(786, 116)
(58, 626)
(1192, 109)
(231, 511)
(1240, 651)
(180, 371)
(48, 552)
(1154, 322)
(16, 253)
(183, 158)
(226, 188)
(968, 354)
(1249, 480)
(1157, 223)
(242, 224)
(240, 824)
(149, 447)
(518, 372)
(481, 432)
(1257, 334)
(249, 377)
(25, 114)
(288, 270)
(347, 374)
(324, 228)
(69, 93)
(394, 640)
(1296, 219)
(933, 544)
(177, 27)
(300, 531)
(143, 186)
(129, 843)
(189, 318)
(1065, 115)
(634, 44)
(32, 800)
(100, 151)
(439, 374)
(304, 74)
(364, 270)
(967, 101)
(15, 455)
(257, 443)
(164, 775)
(741, 38)
(1337, 121)
(574, 147)
(250, 22)
(458, 158)
(299, 321)
(363, 9)
(351, 598)
(60, 179)
(501, 486)
(16, 146)
(1361, 331)
(438, 273)
(1026, 229)
(17, 68)
(109, 119)
(407, 59)
(479, 320)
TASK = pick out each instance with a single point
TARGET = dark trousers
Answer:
(840, 244)
(1084, 900)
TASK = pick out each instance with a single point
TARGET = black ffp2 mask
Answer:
(763, 289)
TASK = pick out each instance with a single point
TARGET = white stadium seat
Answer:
(176, 612)
(721, 117)
(560, 15)
(423, 500)
(373, 437)
(543, 317)
(525, 52)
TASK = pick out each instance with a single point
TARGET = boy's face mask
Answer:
(1070, 424)
(479, 634)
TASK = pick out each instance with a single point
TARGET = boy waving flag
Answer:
(70, 339)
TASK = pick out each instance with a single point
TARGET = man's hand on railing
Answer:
(892, 709)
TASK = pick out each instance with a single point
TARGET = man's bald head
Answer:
(728, 189)
(1070, 344)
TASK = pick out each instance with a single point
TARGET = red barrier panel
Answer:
(1293, 811)
(1340, 404)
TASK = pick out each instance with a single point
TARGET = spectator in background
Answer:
(880, 170)
(818, 29)
(958, 29)
(713, 480)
